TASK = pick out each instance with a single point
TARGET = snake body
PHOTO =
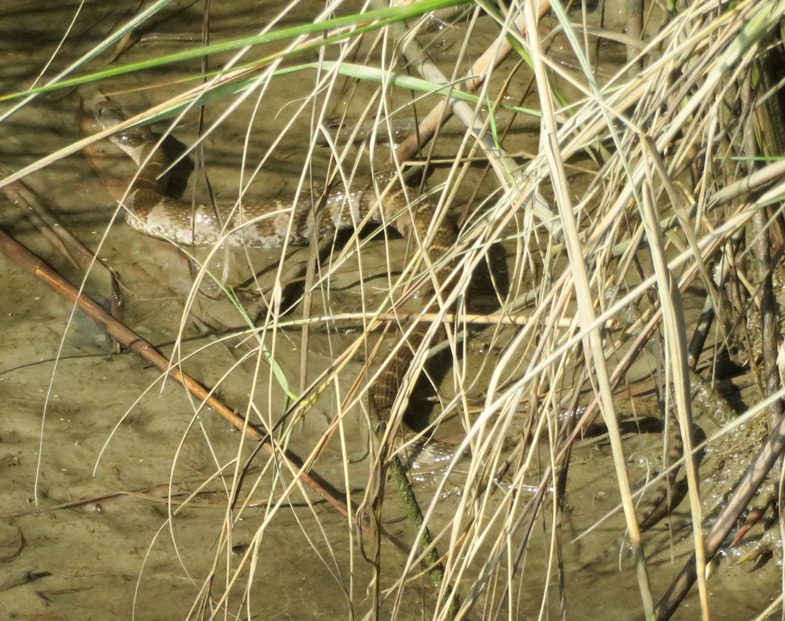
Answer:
(293, 220)
(269, 223)
(273, 223)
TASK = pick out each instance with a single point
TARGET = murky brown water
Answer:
(114, 438)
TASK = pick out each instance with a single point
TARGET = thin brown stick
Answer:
(154, 493)
(634, 29)
(62, 240)
(745, 492)
(18, 578)
(769, 314)
(129, 339)
(19, 192)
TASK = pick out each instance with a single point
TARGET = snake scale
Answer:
(273, 222)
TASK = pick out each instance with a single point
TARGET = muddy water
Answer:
(86, 425)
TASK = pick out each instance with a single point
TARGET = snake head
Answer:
(99, 113)
(109, 114)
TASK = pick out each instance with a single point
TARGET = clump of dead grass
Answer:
(643, 185)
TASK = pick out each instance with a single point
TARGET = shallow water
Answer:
(115, 441)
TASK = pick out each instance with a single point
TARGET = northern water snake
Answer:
(294, 220)
(273, 222)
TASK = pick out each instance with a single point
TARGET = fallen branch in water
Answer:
(22, 257)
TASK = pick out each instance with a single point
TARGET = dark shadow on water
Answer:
(489, 283)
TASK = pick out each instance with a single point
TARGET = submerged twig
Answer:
(19, 577)
(754, 476)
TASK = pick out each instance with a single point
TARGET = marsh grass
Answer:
(631, 203)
